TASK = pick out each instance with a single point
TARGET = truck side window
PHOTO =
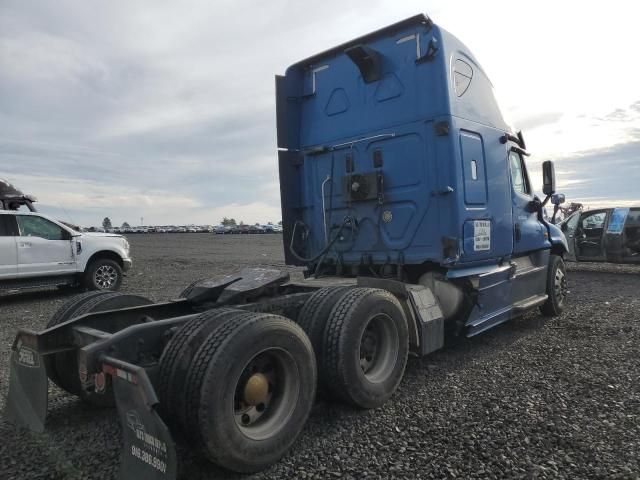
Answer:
(32, 226)
(593, 221)
(572, 222)
(518, 174)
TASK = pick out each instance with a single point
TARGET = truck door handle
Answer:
(24, 244)
(518, 232)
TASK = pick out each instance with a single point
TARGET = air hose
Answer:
(322, 252)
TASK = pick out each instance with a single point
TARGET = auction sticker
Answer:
(481, 235)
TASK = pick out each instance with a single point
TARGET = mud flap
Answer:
(148, 450)
(26, 404)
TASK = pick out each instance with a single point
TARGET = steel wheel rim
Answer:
(560, 286)
(266, 418)
(379, 347)
(105, 276)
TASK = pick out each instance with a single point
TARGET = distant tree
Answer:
(280, 223)
(229, 222)
(126, 225)
(257, 224)
(241, 223)
(106, 223)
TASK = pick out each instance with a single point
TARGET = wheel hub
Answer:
(256, 390)
(560, 286)
(368, 348)
(105, 276)
(265, 393)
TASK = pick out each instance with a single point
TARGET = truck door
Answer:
(631, 237)
(569, 227)
(44, 248)
(590, 235)
(528, 232)
(8, 248)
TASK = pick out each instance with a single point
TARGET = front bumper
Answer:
(126, 264)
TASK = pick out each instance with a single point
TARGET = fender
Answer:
(558, 241)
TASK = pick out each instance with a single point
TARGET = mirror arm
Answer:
(555, 212)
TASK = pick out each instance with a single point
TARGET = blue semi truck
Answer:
(405, 197)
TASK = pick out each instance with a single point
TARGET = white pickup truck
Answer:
(37, 251)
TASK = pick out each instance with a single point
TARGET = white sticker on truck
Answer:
(481, 235)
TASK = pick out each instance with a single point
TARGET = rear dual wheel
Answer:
(361, 341)
(62, 367)
(249, 388)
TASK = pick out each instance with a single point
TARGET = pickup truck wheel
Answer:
(246, 413)
(176, 358)
(66, 363)
(103, 274)
(556, 287)
(313, 318)
(365, 348)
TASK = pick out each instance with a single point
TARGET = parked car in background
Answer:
(604, 235)
(37, 251)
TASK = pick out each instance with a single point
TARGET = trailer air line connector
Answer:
(347, 221)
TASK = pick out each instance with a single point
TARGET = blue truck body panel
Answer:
(408, 117)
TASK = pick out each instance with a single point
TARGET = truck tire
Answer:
(556, 287)
(64, 313)
(365, 348)
(185, 293)
(313, 318)
(103, 274)
(66, 363)
(245, 414)
(176, 358)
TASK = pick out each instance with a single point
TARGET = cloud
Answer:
(166, 110)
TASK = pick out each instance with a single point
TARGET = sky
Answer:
(163, 112)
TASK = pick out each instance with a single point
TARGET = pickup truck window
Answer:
(8, 227)
(32, 226)
(595, 220)
(4, 229)
(518, 175)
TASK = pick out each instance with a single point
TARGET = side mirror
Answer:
(557, 199)
(548, 178)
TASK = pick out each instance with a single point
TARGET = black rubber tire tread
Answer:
(313, 319)
(185, 293)
(551, 308)
(196, 374)
(90, 270)
(64, 313)
(212, 357)
(335, 355)
(180, 349)
(66, 363)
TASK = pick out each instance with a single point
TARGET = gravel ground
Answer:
(533, 398)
